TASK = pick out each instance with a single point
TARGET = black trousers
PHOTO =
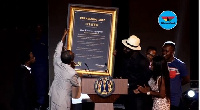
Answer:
(77, 106)
(172, 107)
(136, 102)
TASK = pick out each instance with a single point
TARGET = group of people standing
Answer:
(159, 76)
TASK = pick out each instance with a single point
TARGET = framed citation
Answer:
(92, 36)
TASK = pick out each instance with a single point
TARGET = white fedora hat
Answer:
(133, 42)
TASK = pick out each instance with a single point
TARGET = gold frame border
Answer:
(113, 12)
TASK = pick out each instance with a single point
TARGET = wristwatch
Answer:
(148, 93)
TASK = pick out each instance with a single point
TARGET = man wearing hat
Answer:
(135, 69)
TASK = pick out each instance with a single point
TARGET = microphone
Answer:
(107, 68)
(87, 66)
(106, 64)
(89, 75)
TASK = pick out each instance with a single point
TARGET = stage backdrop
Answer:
(133, 18)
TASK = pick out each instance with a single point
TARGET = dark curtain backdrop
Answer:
(17, 23)
(140, 18)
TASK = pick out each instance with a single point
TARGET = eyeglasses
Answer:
(151, 55)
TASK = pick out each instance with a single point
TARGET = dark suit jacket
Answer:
(136, 70)
(24, 89)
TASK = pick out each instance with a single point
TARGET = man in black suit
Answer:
(24, 88)
(135, 69)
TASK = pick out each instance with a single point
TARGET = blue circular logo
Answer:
(167, 20)
(104, 86)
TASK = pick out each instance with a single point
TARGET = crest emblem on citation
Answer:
(104, 86)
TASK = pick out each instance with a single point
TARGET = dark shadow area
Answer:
(18, 22)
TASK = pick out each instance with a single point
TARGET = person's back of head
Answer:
(24, 56)
(160, 68)
(67, 56)
(160, 65)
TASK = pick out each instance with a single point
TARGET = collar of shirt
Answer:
(27, 68)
